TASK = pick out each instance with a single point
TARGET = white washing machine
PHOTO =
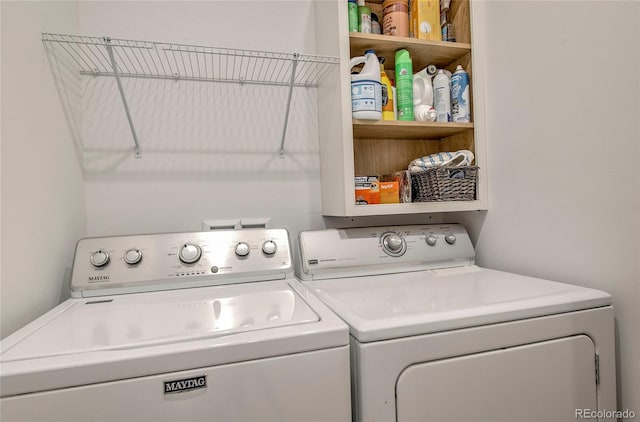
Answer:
(180, 327)
(436, 338)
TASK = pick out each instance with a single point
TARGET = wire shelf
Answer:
(147, 59)
(120, 58)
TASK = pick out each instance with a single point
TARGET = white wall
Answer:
(225, 139)
(43, 210)
(563, 131)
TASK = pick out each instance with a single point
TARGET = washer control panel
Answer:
(335, 253)
(109, 265)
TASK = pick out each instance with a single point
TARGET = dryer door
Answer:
(542, 381)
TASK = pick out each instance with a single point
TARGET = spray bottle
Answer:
(404, 84)
(460, 110)
(353, 16)
(442, 96)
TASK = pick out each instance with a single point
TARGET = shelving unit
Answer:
(120, 58)
(424, 52)
(388, 129)
(364, 148)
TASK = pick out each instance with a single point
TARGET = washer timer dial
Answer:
(393, 244)
(189, 253)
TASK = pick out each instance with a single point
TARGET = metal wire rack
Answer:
(120, 58)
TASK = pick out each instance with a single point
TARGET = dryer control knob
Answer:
(451, 239)
(269, 247)
(132, 256)
(393, 244)
(431, 240)
(242, 249)
(99, 258)
(189, 253)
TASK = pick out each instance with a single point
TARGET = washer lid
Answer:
(142, 320)
(85, 341)
(406, 304)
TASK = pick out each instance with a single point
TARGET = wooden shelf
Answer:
(423, 52)
(416, 208)
(391, 129)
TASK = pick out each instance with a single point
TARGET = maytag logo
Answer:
(98, 278)
(186, 384)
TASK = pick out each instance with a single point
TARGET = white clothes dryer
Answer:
(436, 338)
(180, 327)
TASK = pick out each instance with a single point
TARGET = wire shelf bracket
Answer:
(114, 65)
(120, 58)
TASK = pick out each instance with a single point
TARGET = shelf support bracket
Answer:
(109, 47)
(286, 114)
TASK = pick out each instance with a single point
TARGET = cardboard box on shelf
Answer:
(367, 190)
(389, 192)
(425, 20)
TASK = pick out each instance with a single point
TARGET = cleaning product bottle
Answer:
(375, 24)
(395, 99)
(353, 15)
(424, 113)
(422, 89)
(446, 27)
(388, 112)
(431, 70)
(404, 84)
(460, 110)
(366, 89)
(442, 96)
(364, 17)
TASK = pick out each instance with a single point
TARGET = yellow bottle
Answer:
(387, 95)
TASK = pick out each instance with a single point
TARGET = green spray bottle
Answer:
(404, 85)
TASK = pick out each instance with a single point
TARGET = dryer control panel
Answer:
(335, 253)
(125, 264)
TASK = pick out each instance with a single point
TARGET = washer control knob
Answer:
(242, 249)
(451, 239)
(269, 247)
(132, 256)
(189, 253)
(393, 244)
(99, 258)
(431, 240)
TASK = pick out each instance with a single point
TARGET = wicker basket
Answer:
(444, 184)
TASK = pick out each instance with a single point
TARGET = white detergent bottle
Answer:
(366, 89)
(422, 93)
